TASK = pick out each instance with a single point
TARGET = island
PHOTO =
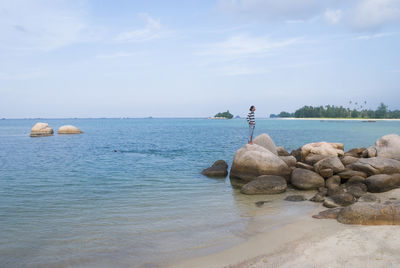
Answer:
(354, 111)
(224, 115)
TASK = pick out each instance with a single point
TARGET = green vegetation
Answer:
(331, 111)
(226, 114)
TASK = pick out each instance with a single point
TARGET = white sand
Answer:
(309, 242)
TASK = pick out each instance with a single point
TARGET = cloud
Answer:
(244, 46)
(374, 36)
(333, 16)
(40, 25)
(370, 14)
(152, 30)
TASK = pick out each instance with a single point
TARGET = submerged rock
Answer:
(264, 140)
(331, 213)
(218, 169)
(304, 179)
(41, 130)
(382, 182)
(260, 203)
(68, 129)
(367, 213)
(266, 184)
(295, 198)
(252, 161)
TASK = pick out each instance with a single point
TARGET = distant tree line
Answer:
(331, 111)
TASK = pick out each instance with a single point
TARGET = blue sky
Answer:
(195, 58)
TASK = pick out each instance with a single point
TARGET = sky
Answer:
(121, 58)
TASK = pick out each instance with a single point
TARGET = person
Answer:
(252, 123)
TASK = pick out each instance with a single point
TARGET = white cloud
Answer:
(242, 46)
(152, 30)
(333, 16)
(40, 25)
(370, 14)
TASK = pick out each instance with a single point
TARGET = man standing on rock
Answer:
(252, 123)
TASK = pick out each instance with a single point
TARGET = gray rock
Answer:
(355, 190)
(264, 140)
(252, 161)
(266, 184)
(348, 160)
(366, 213)
(377, 165)
(304, 179)
(333, 163)
(314, 158)
(369, 198)
(318, 198)
(218, 169)
(382, 182)
(333, 182)
(295, 198)
(347, 174)
(331, 213)
(326, 172)
(297, 154)
(356, 179)
(282, 151)
(355, 152)
(289, 160)
(388, 147)
(260, 203)
(343, 199)
(304, 166)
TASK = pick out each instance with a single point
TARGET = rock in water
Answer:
(366, 213)
(264, 140)
(266, 184)
(377, 165)
(41, 130)
(304, 179)
(388, 147)
(218, 169)
(68, 129)
(252, 161)
(295, 198)
(382, 182)
(331, 213)
(332, 163)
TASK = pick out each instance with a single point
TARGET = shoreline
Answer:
(341, 119)
(307, 242)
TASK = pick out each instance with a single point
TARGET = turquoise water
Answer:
(129, 193)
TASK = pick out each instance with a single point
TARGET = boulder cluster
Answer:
(343, 180)
(43, 129)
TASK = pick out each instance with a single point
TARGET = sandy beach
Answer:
(309, 242)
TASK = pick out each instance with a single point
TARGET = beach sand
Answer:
(309, 242)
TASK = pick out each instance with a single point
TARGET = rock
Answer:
(348, 160)
(326, 172)
(333, 182)
(366, 213)
(295, 198)
(355, 152)
(252, 161)
(322, 148)
(282, 151)
(297, 154)
(332, 163)
(218, 169)
(387, 146)
(266, 184)
(41, 130)
(377, 165)
(369, 198)
(264, 140)
(261, 203)
(382, 182)
(289, 160)
(314, 158)
(356, 190)
(304, 166)
(356, 179)
(371, 152)
(347, 174)
(304, 179)
(318, 198)
(343, 199)
(68, 129)
(331, 213)
(323, 191)
(365, 153)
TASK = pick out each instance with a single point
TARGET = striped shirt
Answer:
(250, 118)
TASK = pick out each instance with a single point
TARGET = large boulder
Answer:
(264, 140)
(368, 213)
(332, 163)
(266, 184)
(376, 165)
(252, 161)
(322, 149)
(68, 129)
(388, 147)
(41, 130)
(218, 169)
(304, 179)
(382, 182)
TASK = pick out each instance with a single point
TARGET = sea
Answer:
(129, 192)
